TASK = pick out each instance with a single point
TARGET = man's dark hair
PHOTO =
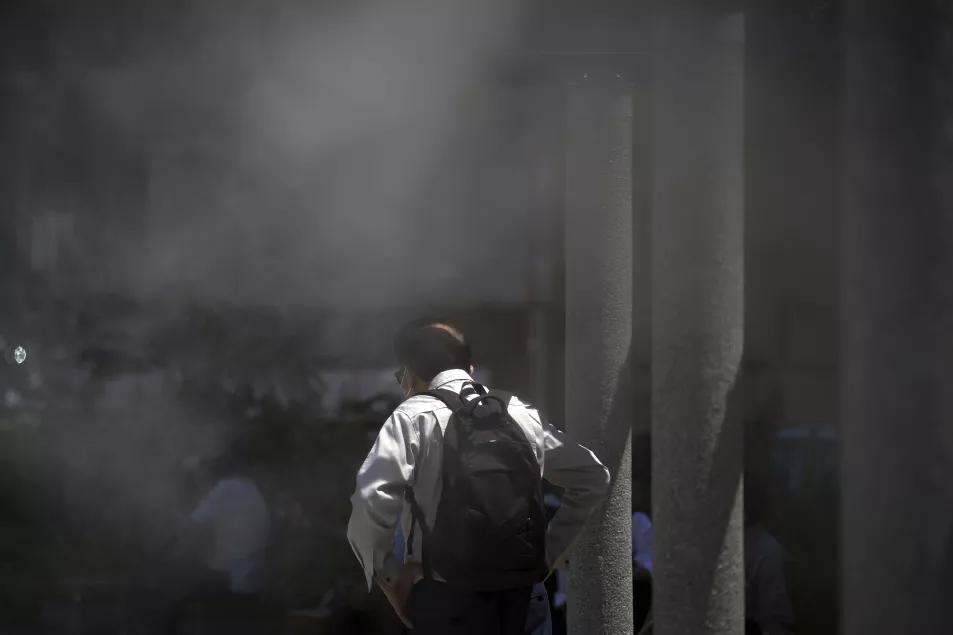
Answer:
(234, 460)
(429, 348)
(756, 499)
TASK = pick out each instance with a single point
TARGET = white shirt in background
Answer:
(236, 513)
(767, 601)
(642, 541)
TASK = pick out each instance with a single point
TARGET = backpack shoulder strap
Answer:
(449, 398)
(455, 402)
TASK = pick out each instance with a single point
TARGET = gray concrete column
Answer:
(598, 337)
(697, 325)
(897, 319)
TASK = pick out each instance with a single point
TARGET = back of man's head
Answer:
(756, 499)
(430, 348)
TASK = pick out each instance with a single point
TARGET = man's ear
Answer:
(471, 370)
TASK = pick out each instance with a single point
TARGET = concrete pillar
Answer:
(897, 312)
(697, 325)
(598, 336)
(544, 156)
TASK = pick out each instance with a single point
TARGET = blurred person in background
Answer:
(641, 529)
(556, 611)
(216, 558)
(235, 522)
(767, 605)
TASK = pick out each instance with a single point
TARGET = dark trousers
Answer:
(437, 608)
(641, 602)
(751, 627)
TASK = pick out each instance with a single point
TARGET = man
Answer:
(641, 568)
(767, 604)
(235, 519)
(217, 554)
(409, 452)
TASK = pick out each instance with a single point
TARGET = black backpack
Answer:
(490, 529)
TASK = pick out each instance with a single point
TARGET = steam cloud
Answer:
(340, 155)
(297, 157)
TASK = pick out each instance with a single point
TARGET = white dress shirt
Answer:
(407, 438)
(238, 518)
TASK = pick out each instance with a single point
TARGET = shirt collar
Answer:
(448, 376)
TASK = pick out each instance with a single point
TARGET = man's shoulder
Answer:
(417, 405)
(426, 404)
(519, 408)
(514, 401)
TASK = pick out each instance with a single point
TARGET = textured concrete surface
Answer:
(697, 326)
(598, 336)
(897, 320)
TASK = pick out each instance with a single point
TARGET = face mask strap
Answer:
(404, 378)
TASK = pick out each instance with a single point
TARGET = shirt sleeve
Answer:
(585, 481)
(378, 498)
